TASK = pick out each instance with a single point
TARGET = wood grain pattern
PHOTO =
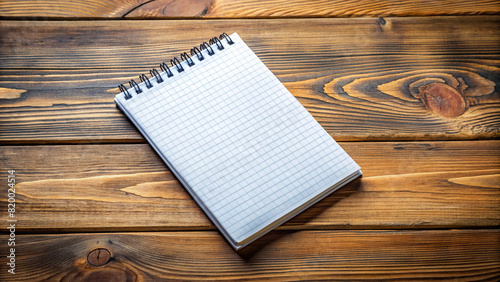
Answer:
(362, 79)
(127, 187)
(282, 255)
(423, 209)
(309, 45)
(240, 8)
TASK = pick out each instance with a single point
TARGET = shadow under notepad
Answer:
(301, 221)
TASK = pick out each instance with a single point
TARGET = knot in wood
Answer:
(99, 257)
(442, 99)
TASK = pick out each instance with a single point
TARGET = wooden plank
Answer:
(128, 188)
(461, 255)
(362, 79)
(311, 45)
(241, 9)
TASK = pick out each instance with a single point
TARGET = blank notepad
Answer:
(243, 146)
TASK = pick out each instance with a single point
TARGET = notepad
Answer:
(240, 143)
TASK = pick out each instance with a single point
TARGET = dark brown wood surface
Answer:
(362, 79)
(463, 255)
(414, 100)
(240, 8)
(405, 185)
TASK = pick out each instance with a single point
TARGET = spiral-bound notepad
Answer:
(246, 150)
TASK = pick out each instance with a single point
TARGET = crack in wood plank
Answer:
(486, 181)
(136, 7)
(91, 188)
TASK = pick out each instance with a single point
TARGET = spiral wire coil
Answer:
(175, 63)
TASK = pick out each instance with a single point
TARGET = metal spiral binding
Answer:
(125, 91)
(195, 53)
(154, 73)
(175, 62)
(146, 81)
(217, 42)
(185, 57)
(166, 69)
(135, 86)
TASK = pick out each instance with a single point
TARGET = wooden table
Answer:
(410, 90)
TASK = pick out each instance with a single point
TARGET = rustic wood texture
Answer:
(458, 255)
(127, 187)
(241, 8)
(430, 78)
(426, 209)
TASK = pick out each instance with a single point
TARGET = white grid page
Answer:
(239, 139)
